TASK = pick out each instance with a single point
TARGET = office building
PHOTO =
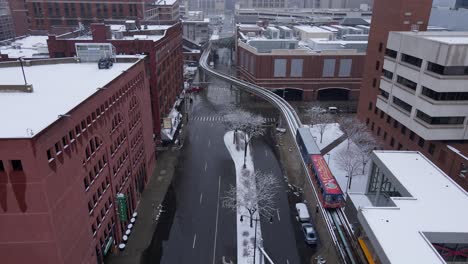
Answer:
(75, 156)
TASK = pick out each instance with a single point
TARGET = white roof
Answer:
(27, 46)
(165, 2)
(310, 29)
(437, 205)
(57, 89)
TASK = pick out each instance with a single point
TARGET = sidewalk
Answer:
(153, 194)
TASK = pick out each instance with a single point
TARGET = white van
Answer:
(302, 213)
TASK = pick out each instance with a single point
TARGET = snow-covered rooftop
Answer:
(57, 89)
(148, 27)
(29, 47)
(437, 205)
(164, 2)
(311, 29)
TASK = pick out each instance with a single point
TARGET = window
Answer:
(376, 110)
(402, 104)
(411, 60)
(384, 94)
(380, 46)
(71, 136)
(83, 125)
(345, 67)
(463, 170)
(370, 106)
(411, 135)
(431, 148)
(447, 70)
(17, 165)
(2, 168)
(252, 65)
(367, 121)
(328, 68)
(86, 183)
(388, 119)
(372, 126)
(58, 148)
(407, 83)
(445, 96)
(49, 155)
(77, 131)
(374, 82)
(377, 65)
(391, 53)
(385, 135)
(392, 142)
(382, 114)
(403, 129)
(280, 68)
(400, 146)
(445, 120)
(64, 142)
(387, 74)
(296, 67)
(378, 131)
(395, 124)
(421, 142)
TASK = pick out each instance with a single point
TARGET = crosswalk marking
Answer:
(221, 119)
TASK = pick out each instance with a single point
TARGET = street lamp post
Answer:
(255, 235)
(22, 69)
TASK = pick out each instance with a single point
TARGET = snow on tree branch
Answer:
(320, 119)
(353, 129)
(349, 160)
(255, 193)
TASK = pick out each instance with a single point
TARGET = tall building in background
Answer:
(19, 14)
(461, 4)
(45, 15)
(263, 3)
(7, 30)
(410, 98)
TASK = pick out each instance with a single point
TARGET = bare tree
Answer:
(320, 119)
(352, 128)
(349, 160)
(255, 192)
(250, 124)
(366, 143)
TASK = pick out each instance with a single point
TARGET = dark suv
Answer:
(105, 63)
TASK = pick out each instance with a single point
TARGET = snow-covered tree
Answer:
(320, 119)
(349, 160)
(366, 143)
(352, 128)
(255, 193)
(250, 124)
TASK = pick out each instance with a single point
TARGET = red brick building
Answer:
(162, 45)
(73, 143)
(44, 15)
(402, 15)
(299, 72)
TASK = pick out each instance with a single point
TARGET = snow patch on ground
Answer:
(245, 233)
(358, 182)
(332, 133)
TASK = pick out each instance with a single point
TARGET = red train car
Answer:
(330, 192)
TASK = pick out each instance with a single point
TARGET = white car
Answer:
(302, 213)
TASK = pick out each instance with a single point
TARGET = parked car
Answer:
(302, 212)
(310, 237)
(195, 89)
(333, 110)
(105, 63)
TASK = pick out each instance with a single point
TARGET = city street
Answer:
(201, 230)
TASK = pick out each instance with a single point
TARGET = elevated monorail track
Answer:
(337, 225)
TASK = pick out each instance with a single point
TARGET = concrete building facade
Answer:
(68, 153)
(162, 45)
(390, 124)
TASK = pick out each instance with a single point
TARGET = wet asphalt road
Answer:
(196, 228)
